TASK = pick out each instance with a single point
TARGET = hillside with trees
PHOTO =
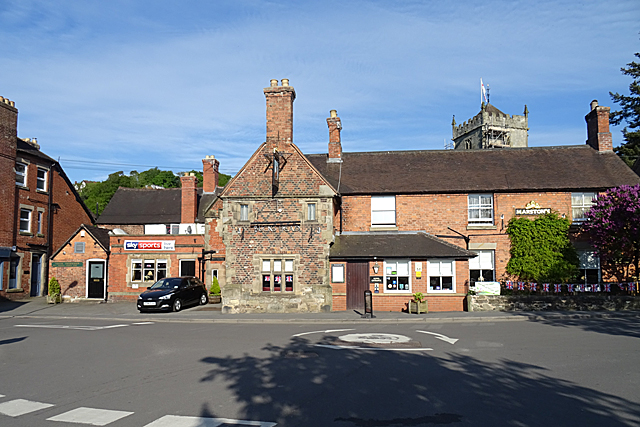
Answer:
(96, 195)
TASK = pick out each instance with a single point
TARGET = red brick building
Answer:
(39, 209)
(313, 232)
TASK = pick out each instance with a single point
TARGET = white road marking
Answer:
(441, 337)
(328, 331)
(142, 323)
(182, 421)
(1, 395)
(17, 407)
(350, 347)
(79, 328)
(92, 416)
(375, 338)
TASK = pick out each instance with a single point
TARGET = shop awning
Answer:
(418, 245)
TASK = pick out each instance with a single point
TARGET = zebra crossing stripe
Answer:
(17, 407)
(92, 416)
(182, 421)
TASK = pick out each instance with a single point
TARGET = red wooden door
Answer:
(357, 283)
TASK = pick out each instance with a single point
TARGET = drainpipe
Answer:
(45, 286)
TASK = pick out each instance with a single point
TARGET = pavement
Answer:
(37, 307)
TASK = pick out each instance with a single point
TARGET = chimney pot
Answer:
(285, 82)
(594, 104)
(333, 113)
(598, 133)
(274, 82)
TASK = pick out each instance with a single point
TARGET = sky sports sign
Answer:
(150, 245)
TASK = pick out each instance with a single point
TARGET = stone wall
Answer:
(552, 303)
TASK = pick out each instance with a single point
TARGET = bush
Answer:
(54, 287)
(215, 286)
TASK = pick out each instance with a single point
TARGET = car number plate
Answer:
(149, 303)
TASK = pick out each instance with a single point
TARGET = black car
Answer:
(172, 293)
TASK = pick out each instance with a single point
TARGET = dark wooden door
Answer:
(96, 279)
(35, 275)
(357, 283)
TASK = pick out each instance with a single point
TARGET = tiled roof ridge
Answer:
(512, 149)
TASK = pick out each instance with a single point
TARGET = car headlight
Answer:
(166, 296)
(139, 296)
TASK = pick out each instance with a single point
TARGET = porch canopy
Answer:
(414, 245)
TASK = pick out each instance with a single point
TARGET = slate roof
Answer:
(100, 235)
(393, 244)
(563, 168)
(130, 206)
(26, 148)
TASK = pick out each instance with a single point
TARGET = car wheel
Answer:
(177, 305)
(204, 299)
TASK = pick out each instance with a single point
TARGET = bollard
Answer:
(368, 305)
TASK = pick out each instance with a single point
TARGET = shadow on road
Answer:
(304, 385)
(628, 326)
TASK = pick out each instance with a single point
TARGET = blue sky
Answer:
(107, 84)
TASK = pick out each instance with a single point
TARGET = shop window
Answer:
(25, 220)
(78, 248)
(397, 276)
(383, 211)
(481, 268)
(161, 266)
(41, 180)
(244, 212)
(481, 209)
(149, 270)
(441, 275)
(21, 174)
(589, 269)
(173, 229)
(580, 204)
(136, 270)
(277, 275)
(311, 211)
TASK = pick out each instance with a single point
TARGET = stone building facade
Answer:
(491, 128)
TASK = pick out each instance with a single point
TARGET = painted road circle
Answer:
(375, 338)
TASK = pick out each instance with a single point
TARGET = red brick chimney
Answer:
(598, 134)
(8, 146)
(189, 198)
(210, 174)
(335, 147)
(279, 112)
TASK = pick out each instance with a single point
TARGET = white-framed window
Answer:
(148, 270)
(214, 273)
(1, 274)
(481, 209)
(441, 274)
(25, 220)
(383, 211)
(173, 228)
(41, 180)
(580, 204)
(481, 268)
(397, 275)
(21, 174)
(277, 275)
(187, 267)
(311, 211)
(40, 218)
(78, 247)
(589, 269)
(244, 212)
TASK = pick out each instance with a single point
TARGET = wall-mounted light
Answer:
(376, 268)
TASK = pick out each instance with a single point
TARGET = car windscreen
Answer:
(168, 283)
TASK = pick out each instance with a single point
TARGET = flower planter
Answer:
(418, 307)
(54, 299)
(215, 299)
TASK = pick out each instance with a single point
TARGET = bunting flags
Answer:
(572, 287)
(607, 287)
(521, 286)
(534, 286)
(557, 288)
(509, 285)
(545, 287)
(569, 288)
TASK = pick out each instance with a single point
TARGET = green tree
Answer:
(96, 195)
(541, 250)
(155, 176)
(629, 112)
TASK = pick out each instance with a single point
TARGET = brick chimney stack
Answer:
(8, 146)
(598, 134)
(210, 174)
(335, 146)
(189, 199)
(279, 112)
